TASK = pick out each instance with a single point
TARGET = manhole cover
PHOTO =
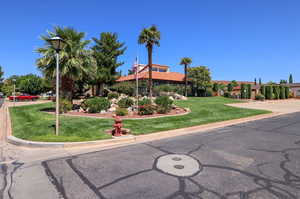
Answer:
(178, 165)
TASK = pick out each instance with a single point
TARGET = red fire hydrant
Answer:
(117, 126)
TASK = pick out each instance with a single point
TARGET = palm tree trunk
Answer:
(67, 88)
(150, 71)
(185, 79)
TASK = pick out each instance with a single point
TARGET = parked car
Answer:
(24, 97)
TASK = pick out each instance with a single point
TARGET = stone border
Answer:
(187, 111)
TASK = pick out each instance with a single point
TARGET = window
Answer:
(162, 70)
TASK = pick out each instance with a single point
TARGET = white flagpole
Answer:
(137, 83)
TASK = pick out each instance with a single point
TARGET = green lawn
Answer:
(30, 123)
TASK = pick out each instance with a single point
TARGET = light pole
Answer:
(14, 81)
(57, 43)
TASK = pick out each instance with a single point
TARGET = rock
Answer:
(103, 111)
(114, 101)
(112, 109)
(171, 98)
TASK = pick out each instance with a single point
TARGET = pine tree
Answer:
(255, 83)
(106, 52)
(260, 81)
(291, 79)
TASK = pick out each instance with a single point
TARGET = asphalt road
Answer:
(254, 160)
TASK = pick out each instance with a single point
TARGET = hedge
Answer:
(269, 92)
(282, 92)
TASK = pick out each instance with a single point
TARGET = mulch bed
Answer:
(177, 111)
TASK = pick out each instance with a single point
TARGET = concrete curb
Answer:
(131, 139)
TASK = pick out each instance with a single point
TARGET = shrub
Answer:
(125, 102)
(260, 97)
(227, 94)
(179, 89)
(269, 92)
(263, 90)
(145, 101)
(96, 104)
(147, 109)
(209, 92)
(121, 111)
(243, 91)
(164, 104)
(127, 88)
(249, 91)
(276, 91)
(112, 95)
(282, 93)
(288, 94)
(65, 105)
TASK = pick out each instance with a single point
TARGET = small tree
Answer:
(230, 87)
(200, 79)
(1, 78)
(215, 87)
(263, 90)
(260, 81)
(291, 79)
(243, 91)
(282, 81)
(249, 91)
(31, 84)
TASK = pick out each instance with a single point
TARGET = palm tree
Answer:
(75, 59)
(186, 61)
(150, 37)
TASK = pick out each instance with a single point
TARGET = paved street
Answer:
(258, 159)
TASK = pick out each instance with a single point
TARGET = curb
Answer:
(131, 139)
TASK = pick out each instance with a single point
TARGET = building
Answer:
(160, 75)
(295, 89)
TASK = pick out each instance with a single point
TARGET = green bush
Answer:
(125, 102)
(179, 89)
(145, 101)
(276, 91)
(269, 92)
(121, 111)
(243, 91)
(227, 94)
(96, 104)
(127, 88)
(249, 91)
(65, 105)
(260, 97)
(263, 90)
(209, 92)
(164, 104)
(287, 92)
(147, 109)
(282, 93)
(112, 95)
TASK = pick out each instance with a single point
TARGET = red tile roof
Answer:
(168, 76)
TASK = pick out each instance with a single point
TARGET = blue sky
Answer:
(236, 39)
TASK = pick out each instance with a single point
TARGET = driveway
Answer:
(259, 159)
(277, 106)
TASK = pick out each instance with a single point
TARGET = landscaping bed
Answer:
(30, 123)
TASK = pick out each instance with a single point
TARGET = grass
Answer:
(30, 123)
